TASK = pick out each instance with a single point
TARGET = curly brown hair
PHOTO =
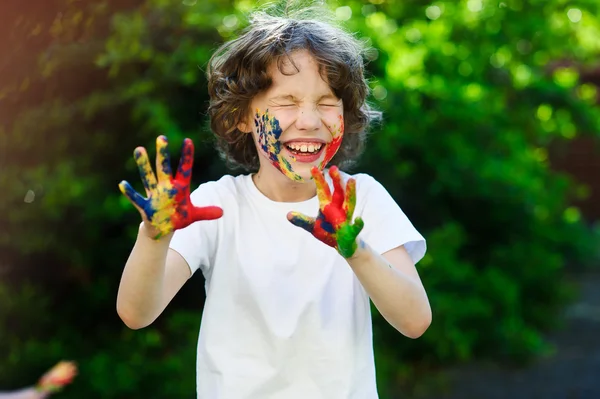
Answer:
(237, 72)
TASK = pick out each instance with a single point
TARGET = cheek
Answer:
(336, 125)
(332, 148)
(337, 131)
(269, 125)
(283, 117)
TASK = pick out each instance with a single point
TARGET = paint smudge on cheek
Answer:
(332, 147)
(269, 131)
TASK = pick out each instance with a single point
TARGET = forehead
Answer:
(298, 70)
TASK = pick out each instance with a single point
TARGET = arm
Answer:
(154, 273)
(152, 276)
(390, 280)
(51, 382)
(393, 284)
(26, 393)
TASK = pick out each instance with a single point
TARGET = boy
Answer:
(287, 312)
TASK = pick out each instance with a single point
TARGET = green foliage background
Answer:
(474, 94)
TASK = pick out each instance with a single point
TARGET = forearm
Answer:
(140, 296)
(27, 393)
(399, 297)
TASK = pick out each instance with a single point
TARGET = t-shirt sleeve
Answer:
(197, 242)
(386, 225)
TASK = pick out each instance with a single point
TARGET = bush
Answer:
(471, 101)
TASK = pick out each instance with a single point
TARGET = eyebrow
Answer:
(291, 97)
(284, 97)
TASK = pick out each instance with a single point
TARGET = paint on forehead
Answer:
(269, 132)
(331, 148)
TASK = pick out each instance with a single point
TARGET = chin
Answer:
(306, 177)
(292, 168)
(304, 170)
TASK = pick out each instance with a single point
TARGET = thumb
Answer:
(206, 213)
(358, 225)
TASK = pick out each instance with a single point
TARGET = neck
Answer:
(277, 187)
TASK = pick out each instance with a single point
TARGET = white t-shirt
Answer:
(285, 317)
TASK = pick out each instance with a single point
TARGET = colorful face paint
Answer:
(57, 377)
(332, 147)
(269, 131)
(168, 206)
(333, 225)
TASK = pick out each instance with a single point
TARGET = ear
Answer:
(243, 126)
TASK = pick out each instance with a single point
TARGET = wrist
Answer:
(362, 251)
(146, 230)
(41, 391)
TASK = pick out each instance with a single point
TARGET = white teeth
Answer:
(305, 147)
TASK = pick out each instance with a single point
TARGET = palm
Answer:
(333, 224)
(57, 377)
(168, 206)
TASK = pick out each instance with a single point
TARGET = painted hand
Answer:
(57, 377)
(168, 206)
(333, 225)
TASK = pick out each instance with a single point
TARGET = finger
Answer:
(300, 220)
(323, 192)
(146, 173)
(357, 226)
(348, 232)
(206, 213)
(135, 198)
(184, 171)
(163, 160)
(350, 200)
(338, 190)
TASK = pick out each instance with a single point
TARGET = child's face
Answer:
(298, 122)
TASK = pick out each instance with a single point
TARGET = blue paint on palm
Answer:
(325, 225)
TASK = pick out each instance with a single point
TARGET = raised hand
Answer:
(333, 225)
(168, 206)
(57, 377)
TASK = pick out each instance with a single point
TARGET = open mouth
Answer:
(304, 148)
(305, 152)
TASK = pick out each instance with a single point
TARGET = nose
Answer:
(308, 119)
